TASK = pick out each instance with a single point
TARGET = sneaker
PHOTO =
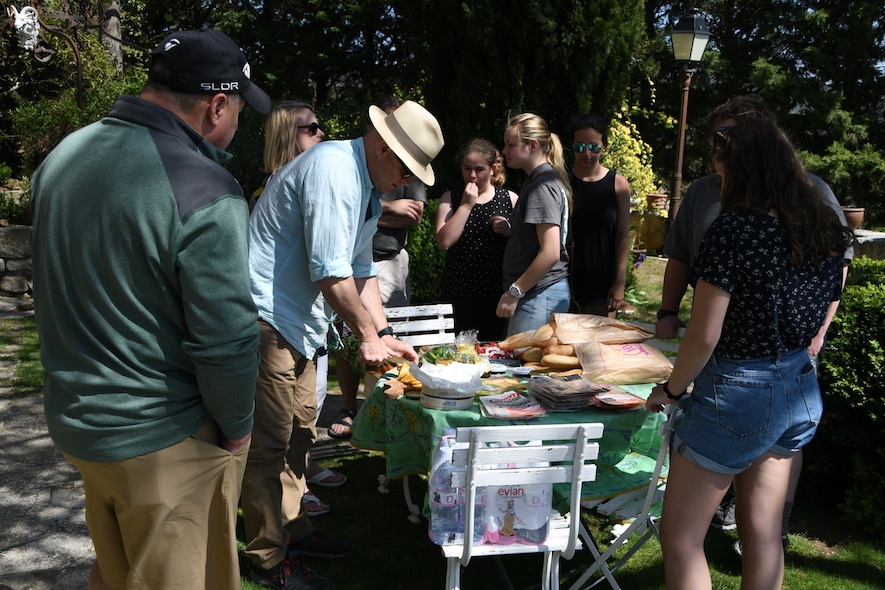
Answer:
(317, 544)
(289, 575)
(724, 518)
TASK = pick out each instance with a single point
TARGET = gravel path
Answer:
(44, 543)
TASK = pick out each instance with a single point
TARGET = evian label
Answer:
(511, 492)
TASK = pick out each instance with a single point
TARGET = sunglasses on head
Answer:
(312, 129)
(720, 138)
(594, 148)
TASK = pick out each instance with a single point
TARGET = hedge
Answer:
(844, 463)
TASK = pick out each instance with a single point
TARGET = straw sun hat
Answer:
(413, 134)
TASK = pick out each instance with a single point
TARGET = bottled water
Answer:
(479, 512)
(445, 523)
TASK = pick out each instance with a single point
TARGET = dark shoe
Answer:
(724, 518)
(289, 575)
(345, 420)
(317, 544)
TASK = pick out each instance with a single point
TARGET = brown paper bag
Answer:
(623, 364)
(572, 328)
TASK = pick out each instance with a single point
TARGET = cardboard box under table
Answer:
(408, 433)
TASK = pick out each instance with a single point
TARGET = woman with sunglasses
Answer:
(290, 128)
(767, 271)
(535, 260)
(600, 221)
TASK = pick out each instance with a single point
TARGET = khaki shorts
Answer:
(167, 519)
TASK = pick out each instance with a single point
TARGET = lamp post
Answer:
(689, 37)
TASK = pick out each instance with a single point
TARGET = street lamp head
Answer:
(689, 37)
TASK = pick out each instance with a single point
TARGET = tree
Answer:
(482, 62)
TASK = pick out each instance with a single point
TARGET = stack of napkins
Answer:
(567, 394)
(618, 399)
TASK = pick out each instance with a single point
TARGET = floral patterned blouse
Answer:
(775, 307)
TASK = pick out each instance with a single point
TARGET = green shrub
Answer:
(5, 172)
(426, 258)
(12, 210)
(847, 457)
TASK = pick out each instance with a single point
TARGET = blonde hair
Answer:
(492, 156)
(529, 126)
(280, 129)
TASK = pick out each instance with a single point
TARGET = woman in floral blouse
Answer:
(767, 270)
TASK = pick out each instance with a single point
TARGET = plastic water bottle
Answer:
(479, 512)
(445, 526)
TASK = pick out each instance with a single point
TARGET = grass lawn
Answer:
(392, 553)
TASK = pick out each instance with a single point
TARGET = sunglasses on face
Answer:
(407, 174)
(312, 129)
(594, 148)
(720, 138)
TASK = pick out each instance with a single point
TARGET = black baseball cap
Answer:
(206, 61)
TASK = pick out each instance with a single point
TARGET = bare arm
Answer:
(549, 240)
(675, 284)
(817, 343)
(450, 222)
(701, 337)
(401, 213)
(622, 243)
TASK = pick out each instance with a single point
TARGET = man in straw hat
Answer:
(310, 254)
(146, 323)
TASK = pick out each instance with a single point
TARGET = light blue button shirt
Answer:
(314, 220)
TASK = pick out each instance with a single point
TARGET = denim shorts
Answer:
(533, 310)
(739, 409)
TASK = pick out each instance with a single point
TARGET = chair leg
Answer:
(414, 510)
(598, 563)
(453, 573)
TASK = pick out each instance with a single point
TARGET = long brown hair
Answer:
(492, 156)
(761, 171)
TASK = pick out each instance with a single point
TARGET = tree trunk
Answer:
(111, 34)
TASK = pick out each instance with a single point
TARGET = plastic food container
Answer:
(442, 400)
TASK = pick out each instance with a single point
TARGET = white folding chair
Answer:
(419, 325)
(566, 451)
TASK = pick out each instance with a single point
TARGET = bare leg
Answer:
(95, 581)
(795, 472)
(692, 496)
(761, 490)
(350, 383)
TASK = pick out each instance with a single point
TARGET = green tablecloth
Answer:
(408, 433)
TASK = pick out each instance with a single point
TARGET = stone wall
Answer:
(15, 260)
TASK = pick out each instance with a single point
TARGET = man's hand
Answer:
(232, 446)
(372, 352)
(399, 348)
(667, 327)
(406, 208)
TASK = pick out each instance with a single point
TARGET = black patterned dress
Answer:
(472, 276)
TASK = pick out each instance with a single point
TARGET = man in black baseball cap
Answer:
(148, 329)
(205, 61)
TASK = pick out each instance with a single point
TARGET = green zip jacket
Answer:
(141, 287)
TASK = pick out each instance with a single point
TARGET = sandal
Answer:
(343, 416)
(327, 479)
(313, 505)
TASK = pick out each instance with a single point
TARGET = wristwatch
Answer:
(515, 292)
(665, 313)
(388, 331)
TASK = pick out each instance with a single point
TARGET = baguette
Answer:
(563, 349)
(532, 354)
(560, 361)
(520, 340)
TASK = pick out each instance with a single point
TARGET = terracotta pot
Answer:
(854, 216)
(656, 201)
